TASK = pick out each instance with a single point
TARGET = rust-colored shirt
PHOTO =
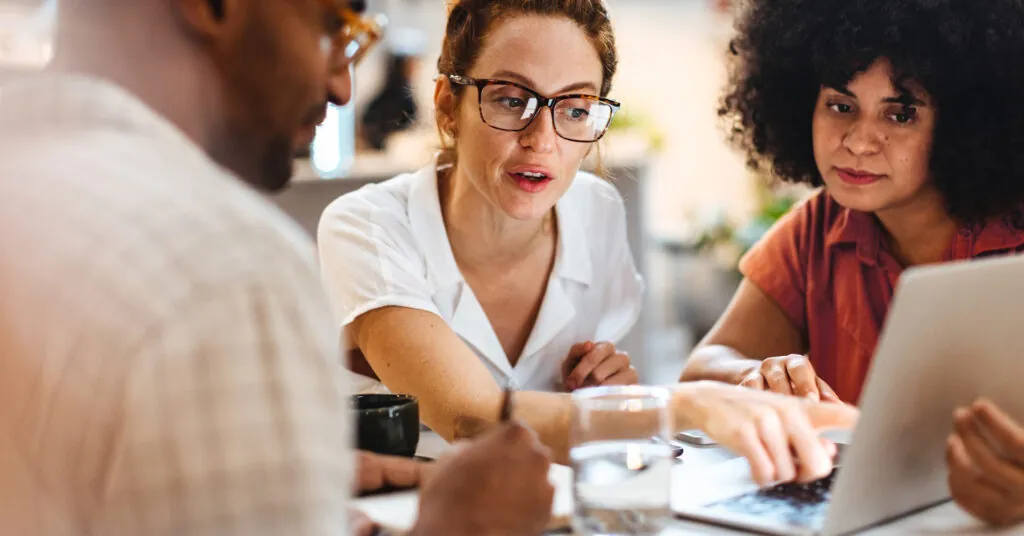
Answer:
(827, 268)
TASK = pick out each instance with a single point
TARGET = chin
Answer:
(277, 184)
(525, 209)
(524, 213)
(276, 167)
(525, 206)
(871, 198)
(271, 177)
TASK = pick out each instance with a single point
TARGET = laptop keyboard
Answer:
(798, 505)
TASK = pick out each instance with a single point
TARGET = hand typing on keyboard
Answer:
(777, 434)
(802, 505)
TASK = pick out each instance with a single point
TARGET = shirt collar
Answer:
(53, 100)
(1000, 234)
(861, 229)
(468, 320)
(572, 259)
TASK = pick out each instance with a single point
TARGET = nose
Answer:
(540, 135)
(339, 84)
(863, 139)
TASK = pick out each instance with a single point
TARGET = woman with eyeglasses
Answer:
(502, 265)
(523, 256)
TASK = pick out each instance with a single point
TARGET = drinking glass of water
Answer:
(621, 459)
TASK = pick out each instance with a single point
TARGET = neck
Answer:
(481, 234)
(919, 233)
(170, 76)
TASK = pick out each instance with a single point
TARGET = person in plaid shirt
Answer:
(168, 364)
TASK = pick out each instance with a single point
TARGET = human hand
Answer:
(789, 375)
(777, 434)
(495, 485)
(376, 472)
(589, 365)
(361, 525)
(985, 456)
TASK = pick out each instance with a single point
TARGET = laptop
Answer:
(954, 332)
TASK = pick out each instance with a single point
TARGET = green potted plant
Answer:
(726, 241)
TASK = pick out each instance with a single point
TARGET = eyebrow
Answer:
(904, 98)
(526, 81)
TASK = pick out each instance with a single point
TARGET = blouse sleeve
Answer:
(777, 263)
(369, 260)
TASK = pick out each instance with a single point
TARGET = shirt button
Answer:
(512, 384)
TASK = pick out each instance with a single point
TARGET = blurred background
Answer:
(693, 206)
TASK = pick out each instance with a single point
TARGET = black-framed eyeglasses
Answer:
(512, 107)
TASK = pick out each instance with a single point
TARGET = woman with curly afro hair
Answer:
(909, 114)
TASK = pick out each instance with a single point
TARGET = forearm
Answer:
(462, 410)
(547, 414)
(718, 363)
(417, 353)
(753, 328)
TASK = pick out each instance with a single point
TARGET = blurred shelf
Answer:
(411, 151)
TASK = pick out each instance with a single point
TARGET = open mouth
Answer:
(531, 180)
(532, 176)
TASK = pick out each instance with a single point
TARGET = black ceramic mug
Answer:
(387, 423)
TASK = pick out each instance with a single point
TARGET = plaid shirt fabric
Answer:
(168, 363)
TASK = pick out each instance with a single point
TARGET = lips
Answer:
(531, 176)
(532, 179)
(307, 131)
(858, 177)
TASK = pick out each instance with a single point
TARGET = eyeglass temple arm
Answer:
(460, 80)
